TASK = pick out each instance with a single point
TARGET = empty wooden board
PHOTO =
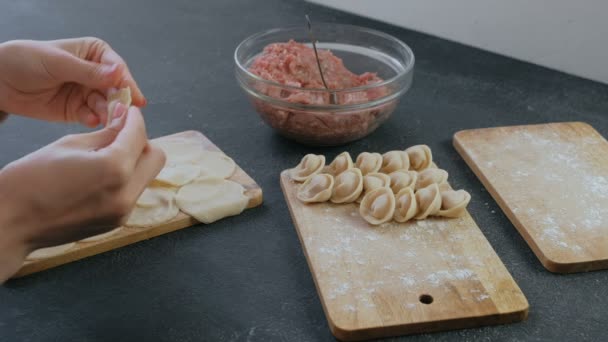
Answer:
(401, 278)
(128, 235)
(551, 180)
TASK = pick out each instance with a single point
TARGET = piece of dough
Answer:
(163, 211)
(429, 201)
(227, 199)
(102, 236)
(378, 206)
(420, 157)
(49, 252)
(179, 150)
(347, 186)
(402, 179)
(310, 165)
(373, 181)
(369, 162)
(216, 165)
(454, 203)
(179, 174)
(406, 206)
(316, 189)
(341, 163)
(395, 160)
(154, 196)
(431, 176)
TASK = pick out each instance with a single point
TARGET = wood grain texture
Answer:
(373, 281)
(551, 180)
(129, 235)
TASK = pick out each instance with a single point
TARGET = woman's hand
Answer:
(78, 186)
(62, 80)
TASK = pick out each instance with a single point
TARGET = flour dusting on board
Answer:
(344, 239)
(562, 172)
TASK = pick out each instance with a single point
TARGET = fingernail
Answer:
(119, 110)
(109, 68)
(101, 106)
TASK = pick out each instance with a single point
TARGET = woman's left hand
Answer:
(62, 80)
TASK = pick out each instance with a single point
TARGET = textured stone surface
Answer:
(245, 278)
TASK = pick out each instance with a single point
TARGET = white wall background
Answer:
(567, 35)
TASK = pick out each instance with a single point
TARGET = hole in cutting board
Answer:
(426, 299)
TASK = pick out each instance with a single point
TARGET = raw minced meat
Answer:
(294, 64)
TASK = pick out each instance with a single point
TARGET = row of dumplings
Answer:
(398, 185)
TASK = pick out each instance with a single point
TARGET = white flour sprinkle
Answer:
(371, 237)
(410, 306)
(407, 281)
(349, 308)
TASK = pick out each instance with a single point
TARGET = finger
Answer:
(111, 57)
(103, 138)
(149, 164)
(131, 139)
(87, 117)
(67, 67)
(99, 105)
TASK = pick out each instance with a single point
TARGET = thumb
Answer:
(106, 136)
(90, 74)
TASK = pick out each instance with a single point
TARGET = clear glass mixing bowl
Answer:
(357, 111)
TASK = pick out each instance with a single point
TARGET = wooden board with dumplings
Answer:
(392, 248)
(199, 183)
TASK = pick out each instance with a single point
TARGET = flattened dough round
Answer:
(212, 199)
(152, 197)
(180, 150)
(102, 236)
(48, 252)
(179, 174)
(164, 211)
(216, 164)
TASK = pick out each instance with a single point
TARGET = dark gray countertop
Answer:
(246, 278)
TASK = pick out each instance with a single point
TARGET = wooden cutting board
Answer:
(551, 180)
(401, 278)
(128, 235)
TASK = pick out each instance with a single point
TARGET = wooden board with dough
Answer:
(551, 180)
(123, 236)
(401, 278)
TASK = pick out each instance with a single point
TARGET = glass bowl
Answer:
(338, 116)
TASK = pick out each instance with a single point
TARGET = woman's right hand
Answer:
(78, 186)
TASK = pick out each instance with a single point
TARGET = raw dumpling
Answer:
(317, 188)
(402, 179)
(48, 252)
(373, 181)
(310, 165)
(429, 201)
(420, 157)
(378, 206)
(157, 207)
(369, 162)
(395, 160)
(102, 236)
(431, 176)
(454, 203)
(341, 163)
(406, 206)
(216, 165)
(347, 186)
(179, 174)
(211, 199)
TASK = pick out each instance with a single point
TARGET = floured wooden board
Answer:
(551, 180)
(129, 235)
(379, 281)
